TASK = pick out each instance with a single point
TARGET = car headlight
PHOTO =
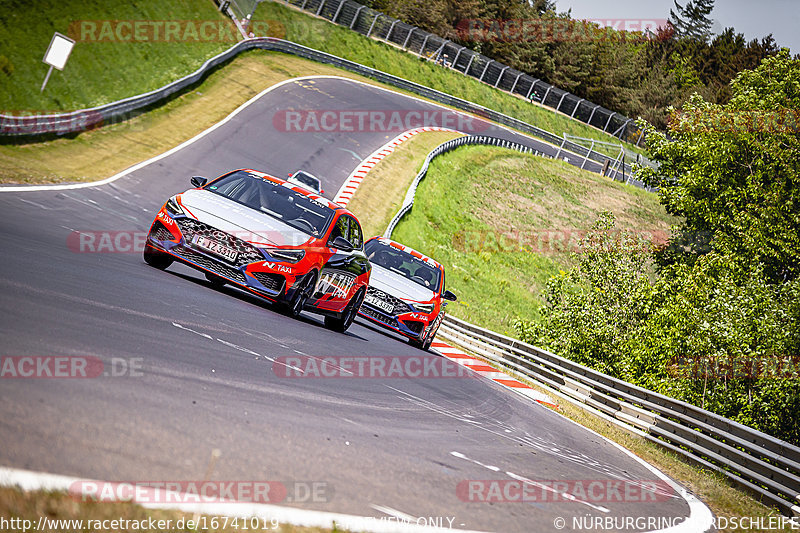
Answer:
(282, 254)
(173, 208)
(424, 308)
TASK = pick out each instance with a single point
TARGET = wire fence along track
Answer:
(77, 121)
(763, 465)
(372, 23)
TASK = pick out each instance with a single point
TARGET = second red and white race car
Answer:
(406, 291)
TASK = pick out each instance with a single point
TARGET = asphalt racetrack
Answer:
(204, 375)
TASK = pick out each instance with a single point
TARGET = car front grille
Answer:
(372, 313)
(247, 253)
(273, 282)
(210, 264)
(414, 325)
(398, 305)
(160, 232)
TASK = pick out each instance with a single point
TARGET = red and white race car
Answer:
(406, 291)
(269, 237)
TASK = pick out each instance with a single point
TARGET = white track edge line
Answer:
(28, 480)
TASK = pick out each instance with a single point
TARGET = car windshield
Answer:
(293, 208)
(403, 263)
(307, 180)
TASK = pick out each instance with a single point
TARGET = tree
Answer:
(692, 20)
(732, 171)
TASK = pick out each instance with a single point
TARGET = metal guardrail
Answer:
(35, 126)
(445, 147)
(763, 465)
(372, 23)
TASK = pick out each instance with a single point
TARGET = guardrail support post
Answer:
(592, 114)
(608, 123)
(621, 130)
(485, 69)
(424, 42)
(531, 89)
(558, 107)
(587, 155)
(458, 54)
(544, 98)
(641, 134)
(471, 59)
(500, 77)
(390, 30)
(373, 24)
(355, 17)
(560, 148)
(405, 43)
(514, 86)
(576, 107)
(338, 10)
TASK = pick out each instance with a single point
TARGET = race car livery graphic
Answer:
(406, 291)
(269, 237)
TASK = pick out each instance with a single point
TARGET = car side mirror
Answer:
(342, 244)
(198, 181)
(447, 295)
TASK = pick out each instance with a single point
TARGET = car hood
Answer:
(245, 223)
(392, 283)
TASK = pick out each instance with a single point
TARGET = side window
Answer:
(339, 229)
(355, 237)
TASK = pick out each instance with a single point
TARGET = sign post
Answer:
(57, 54)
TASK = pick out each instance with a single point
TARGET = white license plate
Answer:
(215, 248)
(380, 304)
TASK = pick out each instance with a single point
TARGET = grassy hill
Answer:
(502, 223)
(103, 66)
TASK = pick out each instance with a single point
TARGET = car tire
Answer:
(156, 259)
(342, 323)
(216, 281)
(422, 345)
(295, 306)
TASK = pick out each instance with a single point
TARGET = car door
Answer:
(338, 276)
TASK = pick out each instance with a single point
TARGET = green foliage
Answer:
(685, 75)
(719, 325)
(594, 309)
(732, 171)
(692, 20)
(713, 333)
(6, 67)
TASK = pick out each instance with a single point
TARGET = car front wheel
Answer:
(156, 259)
(343, 322)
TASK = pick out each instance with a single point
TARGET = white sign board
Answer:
(58, 51)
